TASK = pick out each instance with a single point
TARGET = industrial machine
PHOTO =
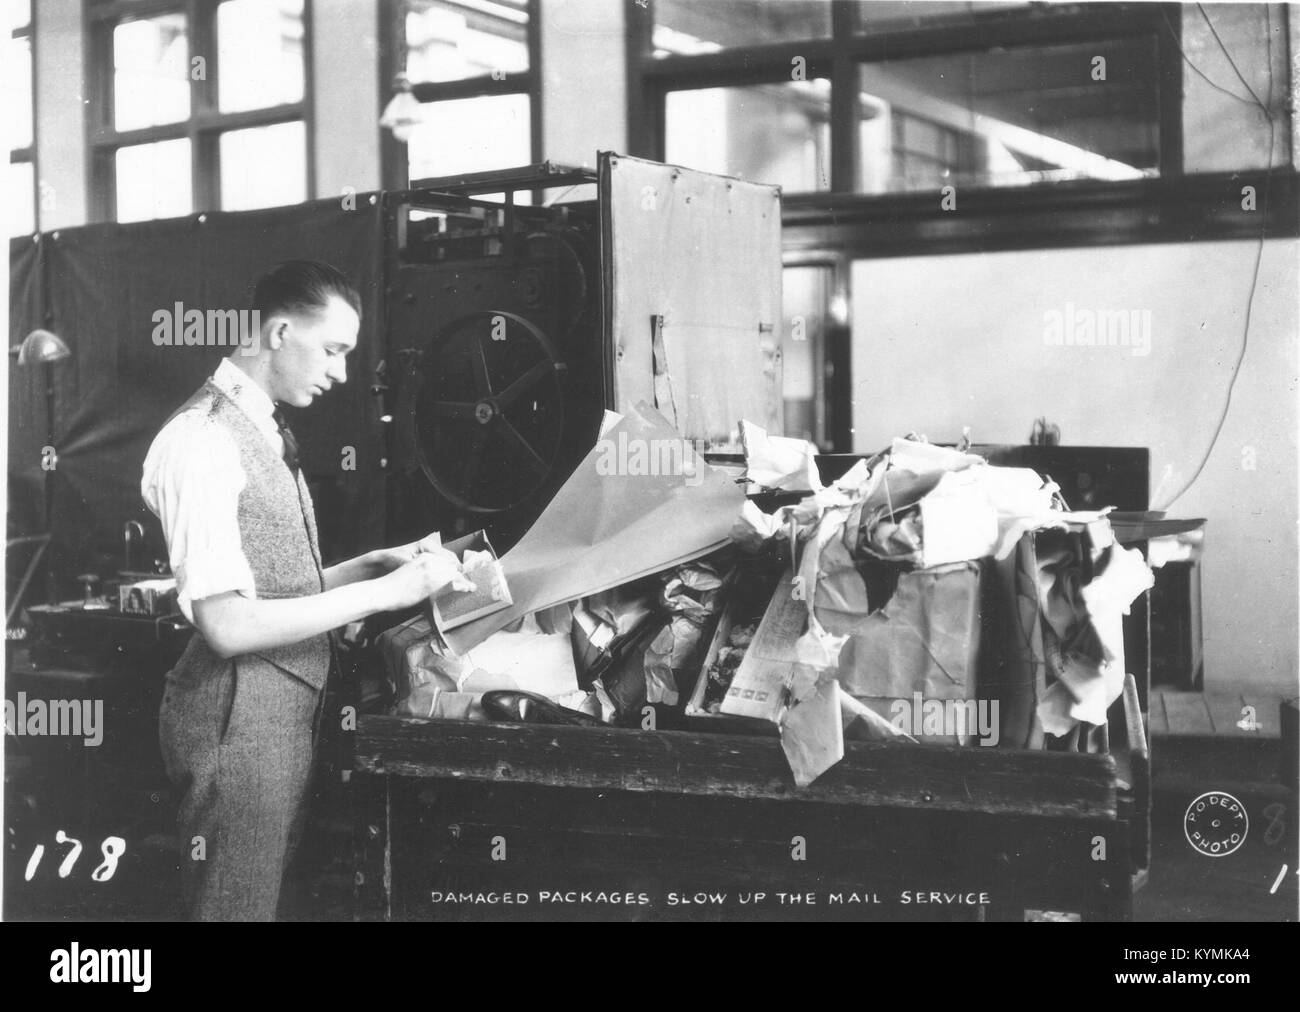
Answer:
(515, 315)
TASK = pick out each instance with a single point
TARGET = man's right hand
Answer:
(428, 575)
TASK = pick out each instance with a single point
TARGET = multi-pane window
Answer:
(199, 105)
(690, 27)
(21, 192)
(904, 97)
(1011, 116)
(774, 133)
(471, 65)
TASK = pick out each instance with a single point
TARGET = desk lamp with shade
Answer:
(44, 348)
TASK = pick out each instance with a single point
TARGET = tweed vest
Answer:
(277, 529)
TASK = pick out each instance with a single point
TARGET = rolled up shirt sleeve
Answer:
(192, 481)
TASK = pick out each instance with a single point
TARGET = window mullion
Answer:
(100, 123)
(845, 114)
(205, 170)
(535, 140)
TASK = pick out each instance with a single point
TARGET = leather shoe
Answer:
(530, 708)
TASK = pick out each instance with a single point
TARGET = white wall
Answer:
(946, 341)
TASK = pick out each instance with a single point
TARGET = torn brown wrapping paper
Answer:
(925, 639)
(1012, 667)
(812, 734)
(788, 677)
(605, 529)
(1086, 642)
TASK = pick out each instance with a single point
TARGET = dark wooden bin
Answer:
(990, 832)
(681, 812)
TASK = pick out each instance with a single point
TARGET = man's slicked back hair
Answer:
(301, 286)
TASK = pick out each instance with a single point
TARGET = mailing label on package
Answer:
(770, 667)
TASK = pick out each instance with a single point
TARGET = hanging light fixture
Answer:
(402, 114)
(41, 346)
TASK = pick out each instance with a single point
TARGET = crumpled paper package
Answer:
(528, 655)
(778, 463)
(602, 622)
(895, 536)
(582, 700)
(788, 677)
(752, 527)
(921, 457)
(812, 735)
(861, 723)
(983, 511)
(432, 701)
(647, 644)
(887, 521)
(623, 687)
(426, 662)
(1012, 664)
(534, 654)
(926, 507)
(435, 702)
(924, 640)
(611, 631)
(1084, 634)
(693, 599)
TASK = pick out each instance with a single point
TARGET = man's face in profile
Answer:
(309, 350)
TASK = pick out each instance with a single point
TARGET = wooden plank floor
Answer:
(1215, 714)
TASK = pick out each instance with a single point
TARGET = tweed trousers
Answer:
(238, 739)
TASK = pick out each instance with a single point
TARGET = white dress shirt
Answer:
(192, 481)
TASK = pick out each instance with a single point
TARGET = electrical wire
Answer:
(1233, 63)
(1173, 34)
(1259, 252)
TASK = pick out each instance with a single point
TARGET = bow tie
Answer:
(290, 453)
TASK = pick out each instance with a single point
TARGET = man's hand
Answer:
(234, 625)
(385, 560)
(431, 572)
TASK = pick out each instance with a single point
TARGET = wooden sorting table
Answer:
(677, 812)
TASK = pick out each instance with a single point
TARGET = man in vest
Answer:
(241, 709)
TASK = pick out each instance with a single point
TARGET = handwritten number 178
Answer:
(112, 849)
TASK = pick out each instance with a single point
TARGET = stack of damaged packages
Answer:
(615, 591)
(925, 597)
(932, 598)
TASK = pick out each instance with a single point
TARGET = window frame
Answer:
(839, 56)
(393, 154)
(835, 227)
(205, 124)
(18, 156)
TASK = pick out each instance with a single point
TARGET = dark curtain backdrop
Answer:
(101, 285)
(26, 386)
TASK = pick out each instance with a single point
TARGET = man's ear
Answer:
(276, 330)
